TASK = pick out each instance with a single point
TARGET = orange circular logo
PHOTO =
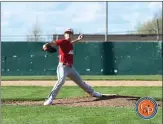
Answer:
(146, 107)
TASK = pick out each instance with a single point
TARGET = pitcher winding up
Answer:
(65, 66)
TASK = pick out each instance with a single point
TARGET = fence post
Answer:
(106, 32)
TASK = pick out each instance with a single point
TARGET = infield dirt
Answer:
(92, 83)
(110, 101)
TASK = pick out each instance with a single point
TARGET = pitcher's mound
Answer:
(110, 101)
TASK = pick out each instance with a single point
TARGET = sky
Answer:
(19, 18)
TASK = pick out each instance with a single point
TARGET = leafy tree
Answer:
(151, 26)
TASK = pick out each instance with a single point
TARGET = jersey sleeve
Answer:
(59, 42)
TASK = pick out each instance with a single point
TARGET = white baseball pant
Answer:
(64, 71)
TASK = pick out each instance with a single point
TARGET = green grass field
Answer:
(86, 77)
(40, 93)
(14, 114)
(73, 115)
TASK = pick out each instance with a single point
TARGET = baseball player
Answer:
(65, 67)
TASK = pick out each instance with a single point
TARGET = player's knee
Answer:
(61, 79)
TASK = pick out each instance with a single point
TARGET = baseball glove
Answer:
(50, 49)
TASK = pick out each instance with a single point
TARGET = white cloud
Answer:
(29, 6)
(59, 29)
(20, 16)
(23, 15)
(5, 18)
(136, 17)
(4, 24)
(101, 30)
(5, 14)
(85, 17)
(85, 12)
(20, 10)
(146, 19)
(155, 5)
(75, 15)
(135, 6)
(132, 19)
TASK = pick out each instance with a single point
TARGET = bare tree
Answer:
(35, 34)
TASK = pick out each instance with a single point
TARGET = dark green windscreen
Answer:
(97, 58)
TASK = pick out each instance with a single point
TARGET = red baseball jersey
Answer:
(65, 51)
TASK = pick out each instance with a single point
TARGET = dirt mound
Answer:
(110, 101)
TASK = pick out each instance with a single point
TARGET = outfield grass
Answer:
(88, 77)
(40, 93)
(12, 114)
(73, 115)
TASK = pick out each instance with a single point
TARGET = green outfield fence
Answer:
(97, 58)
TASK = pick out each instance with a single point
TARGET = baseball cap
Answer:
(69, 30)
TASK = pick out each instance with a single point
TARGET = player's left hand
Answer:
(80, 37)
(47, 47)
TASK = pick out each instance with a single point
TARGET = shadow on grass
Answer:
(118, 96)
